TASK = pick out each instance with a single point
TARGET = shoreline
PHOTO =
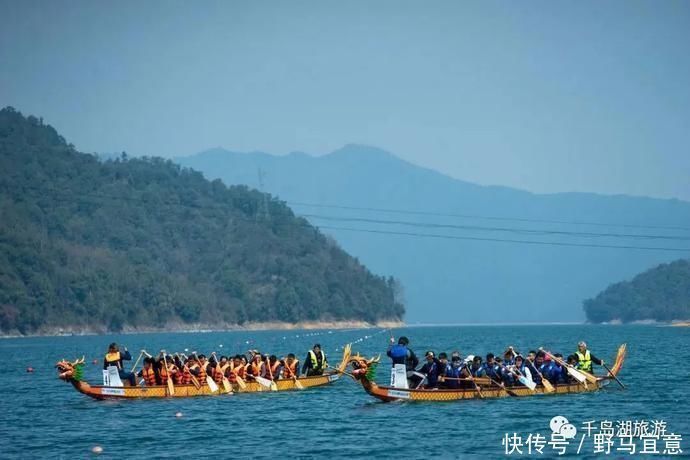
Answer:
(206, 328)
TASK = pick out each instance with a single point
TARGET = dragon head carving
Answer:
(70, 370)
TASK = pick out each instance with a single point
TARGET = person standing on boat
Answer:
(585, 358)
(315, 362)
(402, 354)
(115, 358)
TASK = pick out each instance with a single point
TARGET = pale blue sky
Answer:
(545, 96)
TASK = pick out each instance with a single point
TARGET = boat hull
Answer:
(186, 391)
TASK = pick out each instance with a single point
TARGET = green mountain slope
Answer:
(146, 243)
(661, 293)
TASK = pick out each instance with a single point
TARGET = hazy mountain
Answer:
(464, 280)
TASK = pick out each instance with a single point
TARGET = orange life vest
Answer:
(274, 370)
(219, 373)
(149, 376)
(163, 374)
(237, 371)
(290, 370)
(256, 368)
(202, 374)
(186, 377)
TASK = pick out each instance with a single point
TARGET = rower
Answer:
(477, 369)
(491, 368)
(273, 367)
(521, 368)
(257, 367)
(452, 370)
(431, 370)
(555, 373)
(148, 373)
(290, 367)
(315, 362)
(509, 356)
(585, 358)
(115, 358)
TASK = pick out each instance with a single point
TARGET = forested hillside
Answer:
(662, 294)
(147, 243)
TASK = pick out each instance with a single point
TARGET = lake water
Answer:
(43, 417)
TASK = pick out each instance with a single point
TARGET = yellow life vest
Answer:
(584, 362)
(315, 362)
(113, 359)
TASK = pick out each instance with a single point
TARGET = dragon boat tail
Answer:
(364, 371)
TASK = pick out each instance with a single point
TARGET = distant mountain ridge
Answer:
(469, 279)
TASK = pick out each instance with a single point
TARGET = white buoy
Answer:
(220, 346)
(97, 450)
(186, 350)
(178, 414)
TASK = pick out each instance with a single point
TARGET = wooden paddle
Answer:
(273, 385)
(547, 385)
(613, 375)
(476, 387)
(577, 374)
(524, 380)
(195, 382)
(171, 387)
(226, 383)
(136, 363)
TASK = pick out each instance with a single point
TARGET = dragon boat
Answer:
(364, 371)
(72, 372)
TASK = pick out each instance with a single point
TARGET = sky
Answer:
(544, 96)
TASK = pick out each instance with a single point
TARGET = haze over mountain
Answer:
(457, 275)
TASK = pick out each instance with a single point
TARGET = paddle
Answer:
(523, 379)
(136, 363)
(273, 385)
(613, 375)
(578, 375)
(171, 387)
(195, 382)
(226, 383)
(476, 387)
(503, 387)
(547, 385)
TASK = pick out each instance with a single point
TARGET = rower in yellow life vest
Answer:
(116, 358)
(315, 363)
(585, 358)
(290, 367)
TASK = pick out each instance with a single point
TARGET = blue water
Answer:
(43, 417)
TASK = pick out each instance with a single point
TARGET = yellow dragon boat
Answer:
(72, 372)
(364, 371)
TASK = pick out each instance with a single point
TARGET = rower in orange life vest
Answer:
(315, 362)
(238, 368)
(273, 367)
(165, 372)
(256, 366)
(200, 369)
(148, 372)
(219, 369)
(289, 367)
(116, 358)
